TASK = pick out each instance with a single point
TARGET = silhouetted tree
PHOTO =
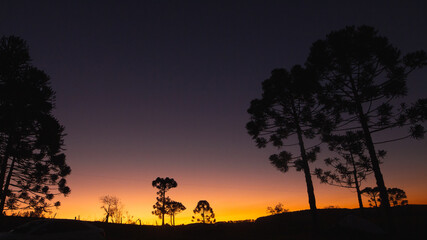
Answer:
(277, 209)
(32, 165)
(397, 197)
(173, 208)
(161, 207)
(204, 209)
(288, 108)
(350, 170)
(373, 194)
(113, 208)
(362, 74)
(163, 184)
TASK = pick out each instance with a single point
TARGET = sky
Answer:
(150, 89)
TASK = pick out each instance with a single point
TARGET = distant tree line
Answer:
(166, 206)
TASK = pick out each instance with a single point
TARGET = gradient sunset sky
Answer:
(150, 89)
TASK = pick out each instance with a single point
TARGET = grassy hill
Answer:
(410, 221)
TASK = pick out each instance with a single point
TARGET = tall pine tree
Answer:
(363, 75)
(288, 111)
(32, 164)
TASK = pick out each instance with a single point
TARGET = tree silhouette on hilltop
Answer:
(288, 112)
(163, 185)
(206, 212)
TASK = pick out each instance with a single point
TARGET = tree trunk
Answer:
(163, 209)
(3, 170)
(2, 179)
(203, 213)
(375, 165)
(6, 185)
(306, 168)
(371, 148)
(108, 214)
(373, 155)
(356, 182)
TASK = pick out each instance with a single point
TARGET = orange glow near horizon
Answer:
(231, 199)
(166, 94)
(225, 209)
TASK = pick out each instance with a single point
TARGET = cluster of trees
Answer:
(114, 210)
(279, 208)
(166, 206)
(345, 95)
(397, 197)
(32, 163)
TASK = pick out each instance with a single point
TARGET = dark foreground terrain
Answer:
(410, 223)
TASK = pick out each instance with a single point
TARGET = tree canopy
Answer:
(288, 112)
(32, 165)
(206, 212)
(362, 76)
(397, 197)
(352, 167)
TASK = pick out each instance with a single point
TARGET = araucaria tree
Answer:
(397, 197)
(174, 208)
(163, 185)
(362, 75)
(206, 212)
(352, 168)
(32, 165)
(373, 194)
(288, 111)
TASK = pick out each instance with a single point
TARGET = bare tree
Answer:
(112, 207)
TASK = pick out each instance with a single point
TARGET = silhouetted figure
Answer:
(163, 184)
(32, 165)
(206, 212)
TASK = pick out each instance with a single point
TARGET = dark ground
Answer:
(410, 223)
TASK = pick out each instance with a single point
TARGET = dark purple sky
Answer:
(148, 88)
